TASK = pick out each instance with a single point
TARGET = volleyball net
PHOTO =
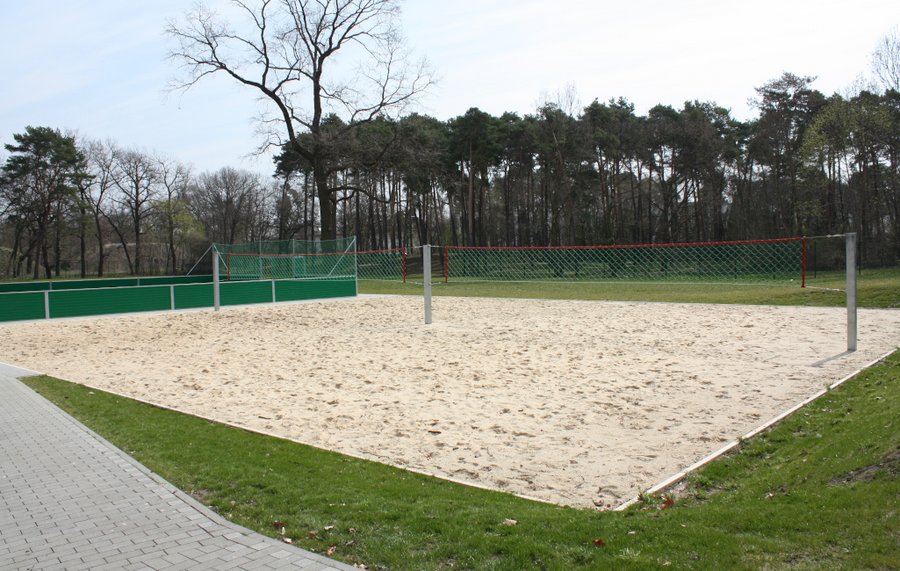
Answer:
(751, 261)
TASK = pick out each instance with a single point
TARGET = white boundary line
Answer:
(675, 478)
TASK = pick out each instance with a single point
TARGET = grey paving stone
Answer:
(70, 500)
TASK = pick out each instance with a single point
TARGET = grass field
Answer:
(819, 491)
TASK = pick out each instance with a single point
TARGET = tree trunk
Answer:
(82, 242)
(101, 253)
(326, 207)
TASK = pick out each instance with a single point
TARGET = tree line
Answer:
(807, 165)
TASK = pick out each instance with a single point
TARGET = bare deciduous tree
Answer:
(136, 177)
(226, 202)
(101, 168)
(886, 61)
(171, 208)
(287, 50)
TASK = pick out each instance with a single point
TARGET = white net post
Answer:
(426, 271)
(215, 271)
(354, 249)
(851, 291)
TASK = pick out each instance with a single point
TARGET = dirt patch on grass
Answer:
(890, 465)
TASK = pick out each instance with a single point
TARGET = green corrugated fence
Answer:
(101, 283)
(71, 302)
(19, 306)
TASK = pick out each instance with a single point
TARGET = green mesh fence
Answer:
(303, 260)
(290, 266)
(288, 259)
(290, 247)
(381, 264)
(762, 261)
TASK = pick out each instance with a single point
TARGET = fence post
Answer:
(172, 297)
(215, 269)
(426, 271)
(851, 291)
(47, 304)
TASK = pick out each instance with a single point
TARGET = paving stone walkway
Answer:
(71, 500)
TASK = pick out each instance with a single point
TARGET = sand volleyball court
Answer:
(576, 402)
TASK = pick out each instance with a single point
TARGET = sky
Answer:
(99, 67)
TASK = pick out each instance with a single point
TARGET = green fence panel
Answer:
(102, 282)
(190, 296)
(24, 286)
(175, 280)
(88, 284)
(292, 290)
(19, 306)
(240, 293)
(15, 306)
(73, 303)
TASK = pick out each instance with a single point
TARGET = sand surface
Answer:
(574, 402)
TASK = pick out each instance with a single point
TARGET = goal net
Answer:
(755, 261)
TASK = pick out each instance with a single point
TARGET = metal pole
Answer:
(355, 266)
(426, 271)
(851, 291)
(199, 260)
(215, 270)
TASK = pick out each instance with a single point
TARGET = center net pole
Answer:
(851, 291)
(426, 270)
(215, 271)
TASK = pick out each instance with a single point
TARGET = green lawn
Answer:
(875, 288)
(819, 491)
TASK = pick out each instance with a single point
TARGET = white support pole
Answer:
(215, 270)
(851, 291)
(426, 271)
(172, 297)
(47, 303)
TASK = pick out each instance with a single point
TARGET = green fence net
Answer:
(288, 259)
(309, 260)
(382, 264)
(762, 261)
